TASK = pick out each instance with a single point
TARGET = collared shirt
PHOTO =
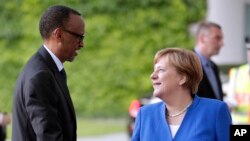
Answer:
(59, 64)
(203, 60)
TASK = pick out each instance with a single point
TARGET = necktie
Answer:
(63, 74)
(212, 79)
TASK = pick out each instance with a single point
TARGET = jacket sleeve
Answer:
(41, 98)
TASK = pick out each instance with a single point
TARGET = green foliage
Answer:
(122, 37)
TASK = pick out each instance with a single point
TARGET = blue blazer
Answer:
(205, 120)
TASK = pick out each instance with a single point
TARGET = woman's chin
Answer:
(157, 94)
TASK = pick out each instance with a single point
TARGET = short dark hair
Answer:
(54, 17)
(205, 27)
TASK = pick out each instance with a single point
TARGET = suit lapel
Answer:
(48, 59)
(216, 73)
(64, 87)
(207, 81)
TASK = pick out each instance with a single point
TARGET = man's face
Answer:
(72, 40)
(214, 41)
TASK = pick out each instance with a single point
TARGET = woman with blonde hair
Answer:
(182, 115)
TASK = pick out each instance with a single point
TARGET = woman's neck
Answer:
(178, 104)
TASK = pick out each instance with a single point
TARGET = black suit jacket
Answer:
(205, 88)
(43, 110)
(2, 133)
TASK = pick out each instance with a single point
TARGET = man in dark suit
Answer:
(209, 41)
(43, 110)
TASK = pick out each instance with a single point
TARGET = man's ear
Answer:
(202, 38)
(57, 34)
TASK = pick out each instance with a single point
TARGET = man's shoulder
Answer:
(213, 63)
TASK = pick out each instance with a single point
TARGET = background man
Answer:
(209, 41)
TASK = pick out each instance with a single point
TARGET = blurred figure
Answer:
(43, 109)
(182, 115)
(4, 121)
(239, 90)
(209, 40)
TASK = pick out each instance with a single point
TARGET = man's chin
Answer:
(71, 59)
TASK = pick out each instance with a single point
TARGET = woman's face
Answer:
(165, 79)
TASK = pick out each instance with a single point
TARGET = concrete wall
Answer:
(230, 14)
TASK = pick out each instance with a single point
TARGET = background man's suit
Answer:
(205, 88)
(48, 107)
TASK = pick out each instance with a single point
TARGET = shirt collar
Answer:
(203, 59)
(59, 64)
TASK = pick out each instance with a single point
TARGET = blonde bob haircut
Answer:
(186, 63)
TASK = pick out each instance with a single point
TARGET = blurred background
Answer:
(122, 37)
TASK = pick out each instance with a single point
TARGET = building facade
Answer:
(234, 17)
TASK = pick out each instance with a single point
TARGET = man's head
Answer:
(209, 39)
(62, 30)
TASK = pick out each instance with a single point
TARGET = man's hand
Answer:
(6, 120)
